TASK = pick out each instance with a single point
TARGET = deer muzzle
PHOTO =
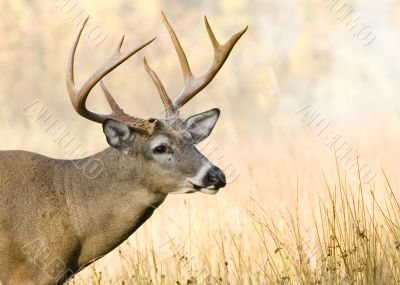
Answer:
(214, 178)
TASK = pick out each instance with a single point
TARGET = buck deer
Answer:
(54, 221)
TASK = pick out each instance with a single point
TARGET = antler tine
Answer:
(187, 73)
(194, 85)
(79, 96)
(169, 107)
(110, 99)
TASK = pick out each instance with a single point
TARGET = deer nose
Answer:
(215, 177)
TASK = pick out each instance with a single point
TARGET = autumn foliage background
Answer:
(296, 209)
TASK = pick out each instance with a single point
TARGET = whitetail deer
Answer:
(54, 221)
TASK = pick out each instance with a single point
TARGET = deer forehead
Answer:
(170, 138)
(160, 139)
(174, 131)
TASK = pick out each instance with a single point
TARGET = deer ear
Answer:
(201, 125)
(118, 135)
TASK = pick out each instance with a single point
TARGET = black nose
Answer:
(215, 177)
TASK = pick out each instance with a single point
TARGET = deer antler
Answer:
(79, 96)
(192, 84)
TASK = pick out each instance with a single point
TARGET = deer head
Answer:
(168, 145)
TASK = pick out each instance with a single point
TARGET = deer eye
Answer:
(160, 149)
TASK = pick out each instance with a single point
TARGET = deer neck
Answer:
(107, 209)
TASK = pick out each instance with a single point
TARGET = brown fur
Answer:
(54, 220)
